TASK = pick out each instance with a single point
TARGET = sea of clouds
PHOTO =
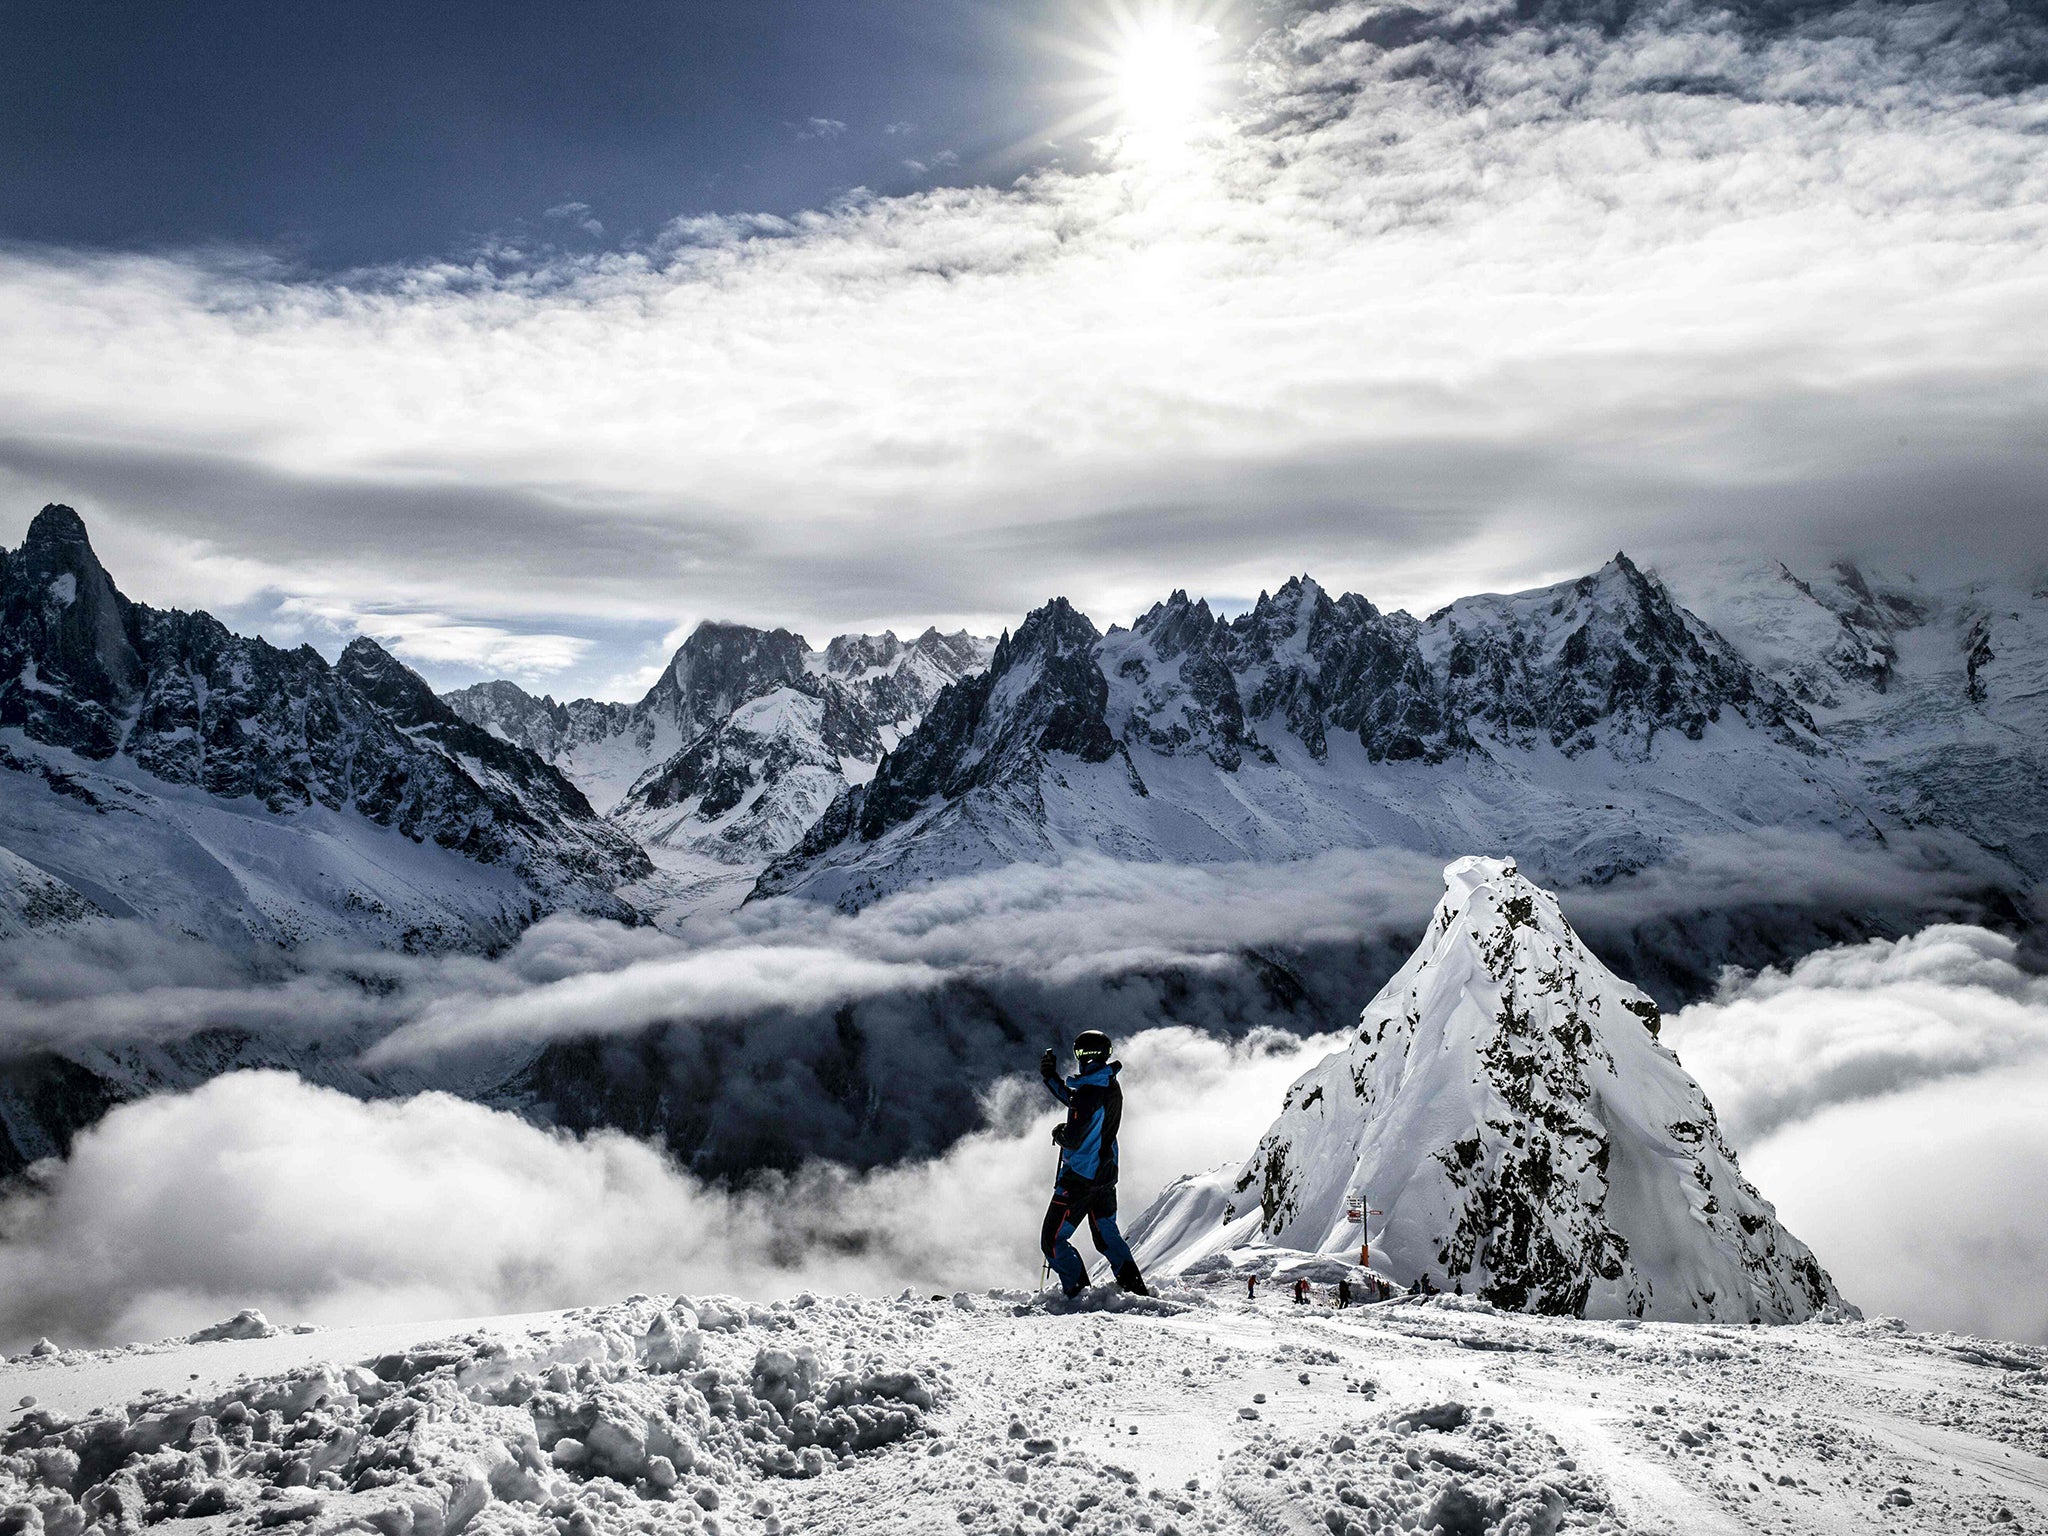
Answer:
(1887, 1096)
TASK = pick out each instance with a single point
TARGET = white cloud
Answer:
(1860, 1022)
(1891, 1098)
(722, 983)
(1930, 1204)
(431, 640)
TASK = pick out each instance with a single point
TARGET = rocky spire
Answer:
(1506, 1104)
(68, 662)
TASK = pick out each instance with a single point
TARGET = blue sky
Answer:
(523, 343)
(380, 132)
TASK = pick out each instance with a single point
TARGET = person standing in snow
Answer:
(1086, 1187)
(1251, 1287)
(1301, 1293)
(1343, 1292)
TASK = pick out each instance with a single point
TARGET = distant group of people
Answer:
(1374, 1287)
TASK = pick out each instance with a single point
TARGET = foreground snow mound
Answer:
(249, 1323)
(1440, 1466)
(642, 1417)
(1506, 1105)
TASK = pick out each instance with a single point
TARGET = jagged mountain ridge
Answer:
(161, 766)
(1590, 726)
(744, 739)
(1505, 1107)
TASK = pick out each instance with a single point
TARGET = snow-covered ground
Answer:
(1003, 1412)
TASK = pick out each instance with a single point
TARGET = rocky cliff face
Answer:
(124, 727)
(1506, 1105)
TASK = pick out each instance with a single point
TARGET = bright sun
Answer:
(1163, 73)
(1155, 68)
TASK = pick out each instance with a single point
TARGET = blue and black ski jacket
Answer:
(1095, 1109)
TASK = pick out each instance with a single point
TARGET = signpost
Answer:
(1355, 1209)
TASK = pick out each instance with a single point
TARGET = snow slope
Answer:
(1002, 1413)
(33, 901)
(1507, 1109)
(1938, 690)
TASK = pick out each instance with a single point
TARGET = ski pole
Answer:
(1045, 1263)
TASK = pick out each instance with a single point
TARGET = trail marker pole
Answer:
(1355, 1209)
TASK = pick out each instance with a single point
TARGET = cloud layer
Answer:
(259, 1189)
(1892, 1099)
(1461, 297)
(1886, 1095)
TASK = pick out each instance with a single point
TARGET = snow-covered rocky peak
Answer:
(540, 725)
(1042, 694)
(267, 794)
(1172, 687)
(748, 788)
(1506, 1105)
(721, 666)
(400, 694)
(65, 646)
(681, 769)
(1609, 659)
(894, 683)
(1046, 693)
(852, 655)
(1938, 687)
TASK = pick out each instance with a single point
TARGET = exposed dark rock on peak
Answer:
(55, 524)
(67, 639)
(1042, 697)
(401, 693)
(718, 668)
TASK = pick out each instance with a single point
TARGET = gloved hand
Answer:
(1059, 1134)
(1049, 1064)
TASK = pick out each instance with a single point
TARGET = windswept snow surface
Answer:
(1009, 1413)
(1506, 1105)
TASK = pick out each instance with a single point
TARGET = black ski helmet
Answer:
(1091, 1048)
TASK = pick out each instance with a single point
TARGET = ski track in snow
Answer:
(1198, 1412)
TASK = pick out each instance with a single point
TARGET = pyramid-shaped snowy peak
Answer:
(1507, 1107)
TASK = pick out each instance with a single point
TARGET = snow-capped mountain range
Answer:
(1595, 728)
(156, 765)
(1513, 1129)
(165, 768)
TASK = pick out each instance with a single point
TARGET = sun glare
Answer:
(1156, 69)
(1162, 77)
